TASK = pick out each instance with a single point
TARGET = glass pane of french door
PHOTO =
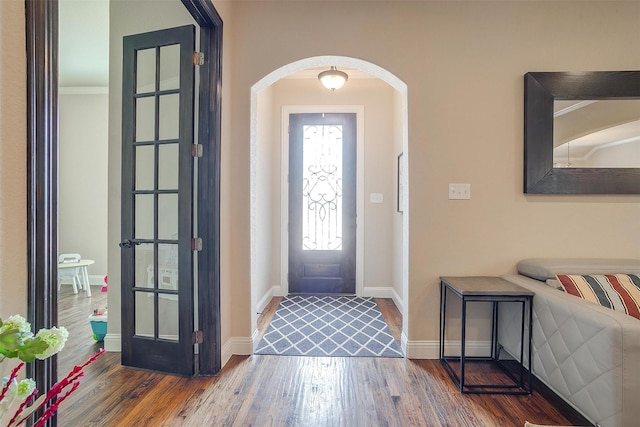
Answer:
(156, 198)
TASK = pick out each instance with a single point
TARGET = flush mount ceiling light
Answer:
(333, 79)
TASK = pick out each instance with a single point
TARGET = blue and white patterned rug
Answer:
(347, 326)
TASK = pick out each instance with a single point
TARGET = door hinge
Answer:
(196, 244)
(196, 150)
(197, 337)
(198, 58)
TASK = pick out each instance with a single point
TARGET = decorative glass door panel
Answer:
(322, 203)
(322, 188)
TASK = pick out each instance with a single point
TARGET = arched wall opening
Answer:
(269, 170)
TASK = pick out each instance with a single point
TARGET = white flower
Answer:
(10, 396)
(11, 391)
(17, 322)
(55, 338)
(17, 392)
(25, 388)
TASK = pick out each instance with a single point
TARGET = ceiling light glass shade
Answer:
(333, 79)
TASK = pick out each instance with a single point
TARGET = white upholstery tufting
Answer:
(587, 354)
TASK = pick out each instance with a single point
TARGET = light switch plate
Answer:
(459, 191)
(376, 198)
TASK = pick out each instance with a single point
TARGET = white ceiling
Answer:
(312, 73)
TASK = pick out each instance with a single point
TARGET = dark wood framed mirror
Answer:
(541, 90)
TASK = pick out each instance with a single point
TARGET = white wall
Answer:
(463, 63)
(397, 218)
(82, 220)
(265, 246)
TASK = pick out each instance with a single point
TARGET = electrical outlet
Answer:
(459, 191)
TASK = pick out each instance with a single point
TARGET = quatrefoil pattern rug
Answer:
(346, 326)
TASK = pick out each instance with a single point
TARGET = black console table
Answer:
(494, 290)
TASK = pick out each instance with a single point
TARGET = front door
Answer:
(157, 201)
(322, 203)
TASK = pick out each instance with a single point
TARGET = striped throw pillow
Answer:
(620, 292)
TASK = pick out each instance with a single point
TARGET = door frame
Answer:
(208, 195)
(284, 187)
(41, 27)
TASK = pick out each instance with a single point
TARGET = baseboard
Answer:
(96, 279)
(113, 342)
(237, 345)
(265, 300)
(430, 349)
(367, 292)
(255, 338)
(279, 291)
(404, 341)
(383, 292)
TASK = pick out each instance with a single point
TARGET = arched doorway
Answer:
(269, 281)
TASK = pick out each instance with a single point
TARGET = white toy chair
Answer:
(72, 273)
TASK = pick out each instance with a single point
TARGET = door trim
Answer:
(208, 195)
(42, 178)
(284, 187)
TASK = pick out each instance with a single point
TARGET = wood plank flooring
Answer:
(73, 313)
(263, 390)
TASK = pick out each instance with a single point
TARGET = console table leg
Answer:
(463, 339)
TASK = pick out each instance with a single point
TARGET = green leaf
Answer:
(27, 353)
(10, 342)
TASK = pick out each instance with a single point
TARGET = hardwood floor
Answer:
(73, 313)
(262, 390)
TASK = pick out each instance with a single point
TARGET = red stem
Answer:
(24, 403)
(71, 378)
(13, 376)
(48, 413)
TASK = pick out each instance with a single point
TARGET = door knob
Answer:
(128, 244)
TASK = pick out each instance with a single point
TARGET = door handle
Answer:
(128, 244)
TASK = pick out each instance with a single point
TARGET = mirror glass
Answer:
(596, 133)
